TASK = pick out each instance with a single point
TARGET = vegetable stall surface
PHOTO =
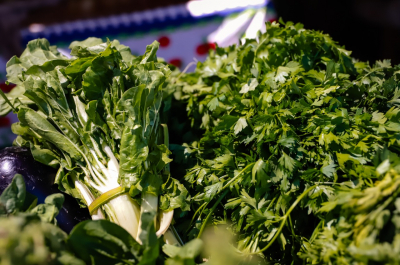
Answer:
(97, 118)
(297, 149)
(39, 180)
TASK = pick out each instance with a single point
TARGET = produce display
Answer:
(299, 149)
(283, 150)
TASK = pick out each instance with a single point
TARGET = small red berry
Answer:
(211, 46)
(4, 121)
(176, 62)
(6, 88)
(164, 41)
(202, 49)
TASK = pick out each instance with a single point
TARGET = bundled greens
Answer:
(97, 117)
(297, 149)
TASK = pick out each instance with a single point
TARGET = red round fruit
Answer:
(164, 41)
(6, 88)
(202, 49)
(211, 46)
(4, 121)
(176, 62)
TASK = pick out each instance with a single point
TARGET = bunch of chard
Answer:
(97, 117)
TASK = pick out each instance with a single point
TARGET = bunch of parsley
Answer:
(291, 140)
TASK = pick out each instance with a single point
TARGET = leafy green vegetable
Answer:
(183, 255)
(28, 234)
(280, 126)
(367, 230)
(97, 117)
(13, 197)
(103, 242)
(24, 239)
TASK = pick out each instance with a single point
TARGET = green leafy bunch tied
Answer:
(97, 118)
(284, 120)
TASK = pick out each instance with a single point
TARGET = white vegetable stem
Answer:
(170, 238)
(88, 197)
(165, 222)
(149, 204)
(122, 210)
(125, 212)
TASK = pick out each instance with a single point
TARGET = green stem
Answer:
(203, 226)
(219, 200)
(291, 227)
(270, 204)
(284, 218)
(316, 231)
(106, 197)
(234, 178)
(195, 214)
(7, 100)
(166, 142)
(176, 235)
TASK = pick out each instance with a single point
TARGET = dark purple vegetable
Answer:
(39, 181)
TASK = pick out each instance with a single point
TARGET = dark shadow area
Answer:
(369, 28)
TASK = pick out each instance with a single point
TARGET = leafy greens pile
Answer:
(291, 145)
(296, 149)
(97, 118)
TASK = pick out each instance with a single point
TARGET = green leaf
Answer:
(213, 104)
(13, 197)
(47, 131)
(240, 125)
(89, 42)
(288, 162)
(149, 239)
(103, 242)
(259, 173)
(50, 209)
(250, 86)
(174, 195)
(26, 240)
(150, 54)
(183, 255)
(133, 153)
(329, 170)
(96, 79)
(378, 117)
